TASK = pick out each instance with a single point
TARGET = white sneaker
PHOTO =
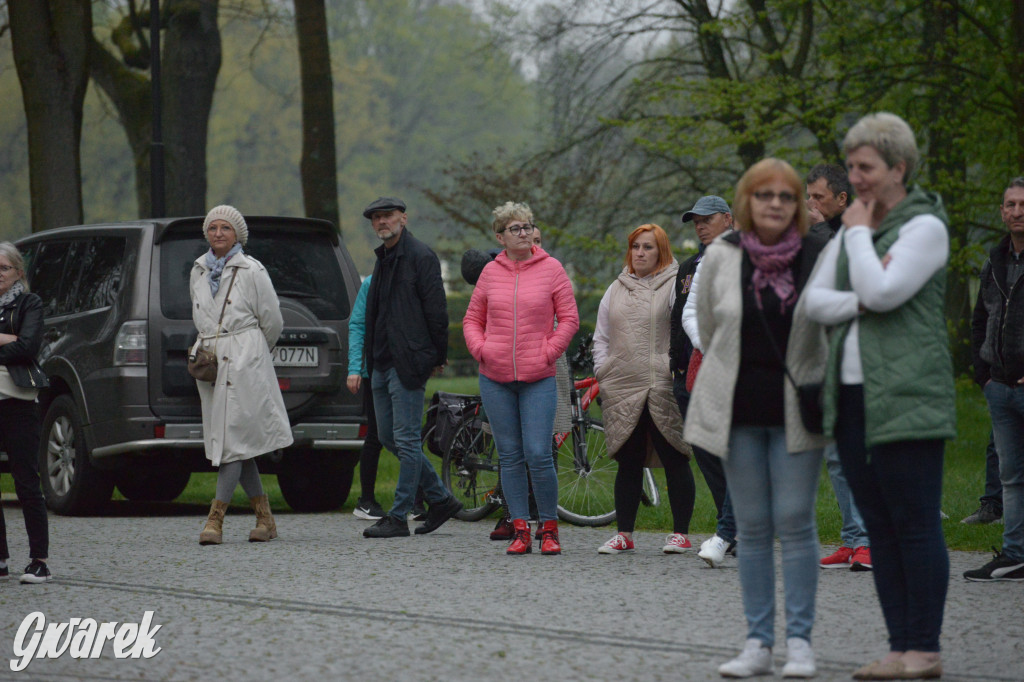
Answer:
(712, 551)
(755, 659)
(799, 658)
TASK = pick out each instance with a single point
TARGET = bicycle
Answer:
(586, 474)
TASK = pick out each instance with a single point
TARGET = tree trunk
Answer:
(190, 64)
(50, 42)
(318, 166)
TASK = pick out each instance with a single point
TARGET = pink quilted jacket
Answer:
(509, 325)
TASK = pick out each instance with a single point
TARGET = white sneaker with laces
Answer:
(755, 659)
(799, 659)
(712, 551)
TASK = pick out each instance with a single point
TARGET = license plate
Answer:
(296, 356)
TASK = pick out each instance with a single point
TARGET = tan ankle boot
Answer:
(265, 528)
(212, 531)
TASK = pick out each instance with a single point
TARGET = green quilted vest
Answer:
(904, 353)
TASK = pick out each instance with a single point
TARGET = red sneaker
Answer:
(618, 544)
(861, 559)
(521, 542)
(840, 559)
(504, 530)
(677, 543)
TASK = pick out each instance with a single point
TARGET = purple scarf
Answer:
(772, 265)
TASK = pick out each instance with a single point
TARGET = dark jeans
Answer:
(898, 489)
(1006, 405)
(369, 456)
(993, 486)
(19, 437)
(629, 478)
(711, 468)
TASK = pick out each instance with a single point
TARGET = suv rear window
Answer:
(302, 265)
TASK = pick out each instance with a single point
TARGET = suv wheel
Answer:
(152, 484)
(316, 481)
(71, 484)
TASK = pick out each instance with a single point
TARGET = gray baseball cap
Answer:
(706, 206)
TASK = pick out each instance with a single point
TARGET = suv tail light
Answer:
(130, 344)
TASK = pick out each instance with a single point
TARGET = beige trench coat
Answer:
(243, 411)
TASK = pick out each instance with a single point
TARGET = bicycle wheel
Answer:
(650, 495)
(470, 469)
(586, 476)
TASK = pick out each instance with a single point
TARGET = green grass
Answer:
(963, 482)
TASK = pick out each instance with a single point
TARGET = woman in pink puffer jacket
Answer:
(510, 330)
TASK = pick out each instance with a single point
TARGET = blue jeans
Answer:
(853, 534)
(898, 489)
(522, 416)
(993, 487)
(773, 493)
(399, 419)
(1006, 405)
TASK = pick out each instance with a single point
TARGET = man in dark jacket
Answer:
(829, 192)
(997, 335)
(406, 341)
(711, 217)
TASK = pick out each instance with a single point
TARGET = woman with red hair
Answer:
(642, 423)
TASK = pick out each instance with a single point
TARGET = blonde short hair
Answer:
(761, 172)
(889, 135)
(509, 211)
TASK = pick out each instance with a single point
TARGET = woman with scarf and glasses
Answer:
(744, 409)
(236, 311)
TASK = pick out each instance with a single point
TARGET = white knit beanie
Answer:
(233, 217)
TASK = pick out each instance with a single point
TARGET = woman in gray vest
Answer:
(642, 423)
(754, 330)
(889, 394)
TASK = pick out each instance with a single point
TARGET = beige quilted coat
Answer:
(636, 370)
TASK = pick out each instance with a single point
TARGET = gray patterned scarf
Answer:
(216, 266)
(16, 290)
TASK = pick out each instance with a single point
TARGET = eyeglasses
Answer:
(6, 268)
(769, 197)
(519, 230)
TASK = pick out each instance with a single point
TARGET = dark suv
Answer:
(122, 409)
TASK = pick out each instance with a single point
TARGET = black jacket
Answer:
(997, 327)
(23, 318)
(409, 292)
(680, 346)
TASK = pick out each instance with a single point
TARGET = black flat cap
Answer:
(384, 204)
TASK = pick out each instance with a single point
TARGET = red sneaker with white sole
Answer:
(677, 543)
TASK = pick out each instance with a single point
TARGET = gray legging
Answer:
(231, 474)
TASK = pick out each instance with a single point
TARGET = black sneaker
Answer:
(388, 527)
(4, 572)
(368, 511)
(438, 514)
(1000, 568)
(36, 572)
(987, 513)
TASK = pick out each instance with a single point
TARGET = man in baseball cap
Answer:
(711, 217)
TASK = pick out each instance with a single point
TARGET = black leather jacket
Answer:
(23, 318)
(997, 327)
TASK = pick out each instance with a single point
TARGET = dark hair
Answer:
(835, 177)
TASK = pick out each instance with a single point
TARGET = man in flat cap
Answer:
(711, 217)
(406, 341)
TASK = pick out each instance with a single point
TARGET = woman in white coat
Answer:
(236, 311)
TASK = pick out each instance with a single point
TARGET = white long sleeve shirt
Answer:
(920, 250)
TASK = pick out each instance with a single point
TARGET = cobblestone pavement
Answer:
(323, 603)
